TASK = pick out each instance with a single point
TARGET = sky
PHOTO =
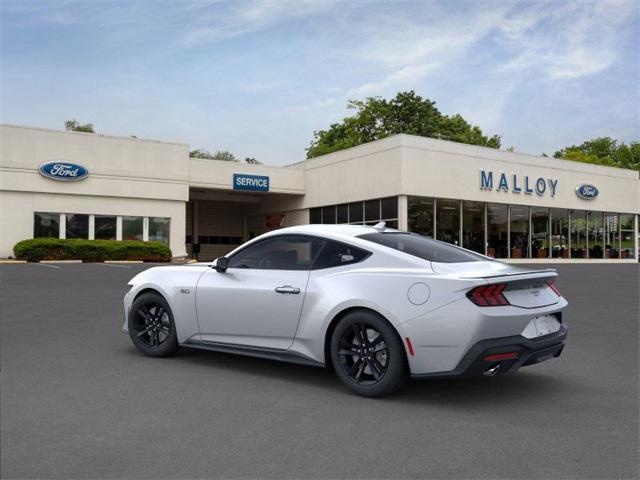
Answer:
(258, 77)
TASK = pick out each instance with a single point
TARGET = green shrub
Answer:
(36, 249)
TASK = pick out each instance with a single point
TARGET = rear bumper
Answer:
(527, 352)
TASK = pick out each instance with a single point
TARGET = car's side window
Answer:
(335, 254)
(283, 252)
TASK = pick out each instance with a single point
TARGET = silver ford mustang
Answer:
(374, 304)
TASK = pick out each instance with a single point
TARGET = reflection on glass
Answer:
(420, 215)
(343, 213)
(159, 229)
(559, 233)
(46, 225)
(372, 210)
(315, 215)
(497, 228)
(448, 221)
(105, 227)
(539, 232)
(132, 228)
(473, 226)
(77, 226)
(389, 208)
(329, 214)
(596, 234)
(519, 231)
(578, 234)
(611, 236)
(355, 212)
(626, 236)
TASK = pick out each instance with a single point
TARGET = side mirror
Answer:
(222, 263)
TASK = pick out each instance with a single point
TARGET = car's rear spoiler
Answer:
(547, 272)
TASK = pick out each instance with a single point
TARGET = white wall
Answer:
(126, 177)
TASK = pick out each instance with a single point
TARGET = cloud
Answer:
(400, 79)
(568, 40)
(251, 16)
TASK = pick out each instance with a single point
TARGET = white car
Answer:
(375, 304)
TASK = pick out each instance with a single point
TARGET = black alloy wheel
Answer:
(151, 325)
(363, 354)
(368, 355)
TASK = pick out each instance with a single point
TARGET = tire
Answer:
(151, 326)
(374, 368)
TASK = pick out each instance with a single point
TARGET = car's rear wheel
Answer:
(151, 325)
(368, 355)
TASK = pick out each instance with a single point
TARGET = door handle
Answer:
(288, 289)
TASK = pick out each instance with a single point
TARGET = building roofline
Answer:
(448, 146)
(117, 137)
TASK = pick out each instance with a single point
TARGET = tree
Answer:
(604, 151)
(75, 126)
(377, 118)
(252, 161)
(219, 155)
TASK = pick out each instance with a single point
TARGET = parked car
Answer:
(374, 304)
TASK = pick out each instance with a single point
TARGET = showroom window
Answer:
(342, 213)
(626, 236)
(448, 221)
(77, 226)
(420, 215)
(159, 229)
(356, 212)
(540, 232)
(595, 235)
(497, 230)
(368, 212)
(611, 235)
(519, 231)
(473, 226)
(105, 227)
(46, 225)
(132, 228)
(559, 233)
(578, 234)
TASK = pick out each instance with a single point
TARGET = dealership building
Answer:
(507, 205)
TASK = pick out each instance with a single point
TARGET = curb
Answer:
(7, 261)
(60, 261)
(123, 261)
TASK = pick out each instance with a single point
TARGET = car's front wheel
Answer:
(368, 355)
(151, 325)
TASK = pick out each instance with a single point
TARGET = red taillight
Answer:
(488, 295)
(552, 286)
(500, 356)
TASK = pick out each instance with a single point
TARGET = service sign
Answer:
(586, 191)
(258, 183)
(63, 171)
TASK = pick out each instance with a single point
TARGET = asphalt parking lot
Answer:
(78, 401)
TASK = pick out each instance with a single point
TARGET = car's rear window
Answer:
(423, 247)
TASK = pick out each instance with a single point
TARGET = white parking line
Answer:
(47, 265)
(113, 265)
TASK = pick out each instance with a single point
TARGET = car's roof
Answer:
(329, 230)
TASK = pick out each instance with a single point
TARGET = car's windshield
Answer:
(423, 247)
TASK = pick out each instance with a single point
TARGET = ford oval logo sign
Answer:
(586, 191)
(64, 171)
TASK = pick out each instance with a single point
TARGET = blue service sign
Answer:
(586, 191)
(63, 171)
(250, 182)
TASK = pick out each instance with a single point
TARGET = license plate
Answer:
(541, 326)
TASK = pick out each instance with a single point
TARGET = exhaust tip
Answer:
(491, 371)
